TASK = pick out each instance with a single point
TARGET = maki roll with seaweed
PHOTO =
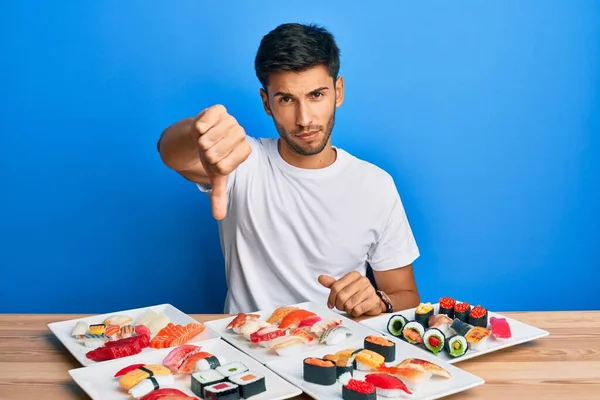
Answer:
(461, 311)
(422, 314)
(413, 332)
(319, 371)
(201, 380)
(460, 327)
(249, 383)
(222, 391)
(478, 317)
(396, 325)
(358, 390)
(381, 346)
(456, 346)
(447, 306)
(434, 340)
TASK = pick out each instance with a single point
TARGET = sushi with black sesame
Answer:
(478, 317)
(381, 346)
(396, 325)
(434, 340)
(422, 314)
(461, 311)
(319, 371)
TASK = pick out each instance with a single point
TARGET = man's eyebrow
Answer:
(285, 94)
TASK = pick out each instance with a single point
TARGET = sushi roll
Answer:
(413, 332)
(249, 383)
(396, 325)
(150, 384)
(222, 391)
(422, 314)
(335, 335)
(447, 306)
(460, 327)
(387, 385)
(478, 317)
(461, 311)
(211, 362)
(434, 340)
(381, 346)
(456, 346)
(319, 371)
(367, 360)
(231, 369)
(200, 380)
(358, 390)
(477, 338)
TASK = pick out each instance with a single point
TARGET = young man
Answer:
(299, 219)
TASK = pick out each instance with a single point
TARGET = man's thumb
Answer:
(326, 280)
(218, 198)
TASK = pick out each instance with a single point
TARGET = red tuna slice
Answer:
(166, 393)
(500, 328)
(119, 348)
(310, 321)
(141, 330)
(130, 368)
(386, 382)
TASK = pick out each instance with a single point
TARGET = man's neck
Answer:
(322, 160)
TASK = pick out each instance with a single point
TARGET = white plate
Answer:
(99, 383)
(520, 333)
(62, 330)
(292, 370)
(265, 355)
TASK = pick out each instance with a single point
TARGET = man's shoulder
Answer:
(367, 170)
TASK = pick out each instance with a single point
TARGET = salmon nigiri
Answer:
(294, 318)
(280, 313)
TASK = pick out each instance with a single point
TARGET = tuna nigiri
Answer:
(500, 328)
(294, 318)
(387, 385)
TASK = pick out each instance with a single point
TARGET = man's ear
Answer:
(265, 100)
(339, 91)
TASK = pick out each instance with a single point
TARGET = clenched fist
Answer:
(223, 147)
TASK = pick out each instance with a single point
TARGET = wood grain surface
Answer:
(564, 365)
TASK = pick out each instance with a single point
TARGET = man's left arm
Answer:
(399, 286)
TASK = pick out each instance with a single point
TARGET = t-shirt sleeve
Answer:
(231, 178)
(396, 245)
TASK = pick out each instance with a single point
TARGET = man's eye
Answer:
(318, 94)
(285, 99)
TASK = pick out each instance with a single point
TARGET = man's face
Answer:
(303, 105)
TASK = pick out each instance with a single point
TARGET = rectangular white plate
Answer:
(265, 355)
(521, 333)
(99, 383)
(62, 330)
(292, 370)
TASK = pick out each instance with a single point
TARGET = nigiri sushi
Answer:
(118, 320)
(265, 335)
(387, 385)
(367, 360)
(320, 327)
(293, 319)
(441, 322)
(477, 338)
(412, 377)
(335, 335)
(150, 384)
(112, 332)
(425, 366)
(79, 331)
(252, 326)
(500, 328)
(288, 345)
(310, 321)
(280, 313)
(240, 320)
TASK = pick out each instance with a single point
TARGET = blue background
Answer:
(487, 114)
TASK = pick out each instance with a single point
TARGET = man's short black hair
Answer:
(296, 47)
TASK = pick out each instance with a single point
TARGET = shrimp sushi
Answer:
(396, 325)
(422, 314)
(413, 332)
(280, 313)
(387, 385)
(318, 371)
(381, 346)
(358, 390)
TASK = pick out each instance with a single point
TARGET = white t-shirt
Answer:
(285, 226)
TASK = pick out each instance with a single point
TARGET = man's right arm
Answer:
(205, 150)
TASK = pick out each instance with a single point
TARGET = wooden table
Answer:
(564, 365)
